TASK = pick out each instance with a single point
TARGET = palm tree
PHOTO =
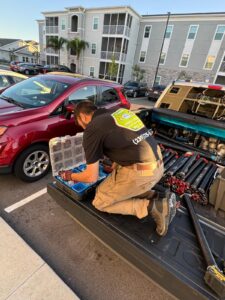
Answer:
(77, 46)
(56, 44)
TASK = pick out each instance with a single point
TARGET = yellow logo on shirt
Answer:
(127, 119)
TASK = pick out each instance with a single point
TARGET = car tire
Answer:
(33, 163)
(135, 95)
(27, 72)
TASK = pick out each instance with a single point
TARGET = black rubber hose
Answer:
(194, 166)
(177, 166)
(170, 163)
(171, 144)
(194, 149)
(200, 177)
(203, 187)
(195, 174)
(184, 170)
(169, 158)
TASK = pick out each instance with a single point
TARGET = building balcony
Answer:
(116, 29)
(52, 29)
(109, 55)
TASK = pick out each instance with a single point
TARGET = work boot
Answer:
(163, 211)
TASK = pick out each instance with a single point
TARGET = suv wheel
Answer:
(27, 72)
(33, 163)
(135, 94)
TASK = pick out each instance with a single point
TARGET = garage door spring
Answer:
(188, 173)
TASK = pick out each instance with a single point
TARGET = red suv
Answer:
(38, 109)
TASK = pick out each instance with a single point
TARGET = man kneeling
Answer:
(123, 138)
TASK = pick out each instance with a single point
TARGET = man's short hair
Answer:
(86, 107)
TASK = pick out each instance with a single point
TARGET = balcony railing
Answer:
(110, 55)
(222, 67)
(52, 29)
(116, 29)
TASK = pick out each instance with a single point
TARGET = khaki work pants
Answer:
(120, 192)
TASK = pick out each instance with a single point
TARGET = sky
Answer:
(18, 17)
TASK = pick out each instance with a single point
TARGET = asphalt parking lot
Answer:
(87, 266)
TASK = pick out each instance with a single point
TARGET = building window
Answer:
(95, 23)
(92, 71)
(27, 59)
(73, 51)
(192, 32)
(32, 60)
(129, 20)
(184, 60)
(52, 60)
(24, 59)
(162, 58)
(74, 23)
(93, 48)
(63, 24)
(169, 31)
(210, 62)
(147, 31)
(51, 21)
(142, 56)
(219, 32)
(157, 80)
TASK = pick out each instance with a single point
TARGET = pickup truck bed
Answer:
(174, 262)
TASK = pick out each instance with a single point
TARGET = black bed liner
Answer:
(174, 262)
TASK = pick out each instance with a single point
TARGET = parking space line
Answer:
(25, 200)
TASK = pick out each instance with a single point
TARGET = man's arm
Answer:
(89, 175)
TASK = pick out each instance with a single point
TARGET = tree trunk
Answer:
(59, 57)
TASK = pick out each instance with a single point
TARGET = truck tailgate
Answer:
(174, 262)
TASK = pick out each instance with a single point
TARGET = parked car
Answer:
(8, 78)
(27, 68)
(14, 65)
(155, 92)
(135, 89)
(52, 68)
(40, 108)
(39, 68)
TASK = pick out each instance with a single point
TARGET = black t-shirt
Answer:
(121, 136)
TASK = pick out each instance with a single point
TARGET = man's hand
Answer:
(66, 175)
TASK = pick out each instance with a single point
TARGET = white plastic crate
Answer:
(66, 152)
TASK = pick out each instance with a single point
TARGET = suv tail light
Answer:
(124, 99)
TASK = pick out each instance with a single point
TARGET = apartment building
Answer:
(191, 46)
(111, 33)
